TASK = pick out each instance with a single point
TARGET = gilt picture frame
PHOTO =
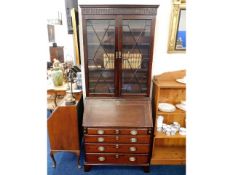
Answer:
(177, 30)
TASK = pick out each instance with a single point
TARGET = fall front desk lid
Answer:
(108, 112)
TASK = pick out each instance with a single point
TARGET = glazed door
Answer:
(100, 56)
(135, 48)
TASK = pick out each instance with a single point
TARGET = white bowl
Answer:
(166, 107)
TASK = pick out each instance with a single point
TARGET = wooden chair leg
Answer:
(53, 159)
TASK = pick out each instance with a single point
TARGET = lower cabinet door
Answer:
(116, 158)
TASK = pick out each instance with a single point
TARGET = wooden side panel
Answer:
(170, 142)
(63, 128)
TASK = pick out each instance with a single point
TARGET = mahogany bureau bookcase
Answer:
(118, 52)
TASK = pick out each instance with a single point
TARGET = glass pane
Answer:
(135, 55)
(101, 55)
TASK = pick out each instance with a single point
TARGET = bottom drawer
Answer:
(117, 158)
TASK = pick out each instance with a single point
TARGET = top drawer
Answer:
(116, 131)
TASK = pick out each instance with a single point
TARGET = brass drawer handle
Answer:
(101, 148)
(101, 159)
(100, 139)
(117, 156)
(133, 140)
(100, 132)
(117, 131)
(132, 159)
(132, 148)
(117, 138)
(117, 146)
(133, 132)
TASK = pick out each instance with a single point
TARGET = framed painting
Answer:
(177, 32)
(51, 33)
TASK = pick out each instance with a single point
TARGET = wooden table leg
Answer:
(53, 159)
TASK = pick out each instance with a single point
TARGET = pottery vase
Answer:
(57, 77)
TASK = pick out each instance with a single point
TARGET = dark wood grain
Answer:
(117, 113)
(117, 158)
(116, 148)
(116, 131)
(117, 139)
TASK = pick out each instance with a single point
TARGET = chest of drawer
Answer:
(117, 158)
(117, 131)
(116, 148)
(117, 139)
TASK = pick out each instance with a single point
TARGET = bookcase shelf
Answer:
(170, 155)
(161, 135)
(169, 150)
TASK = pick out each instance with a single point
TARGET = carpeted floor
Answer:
(67, 165)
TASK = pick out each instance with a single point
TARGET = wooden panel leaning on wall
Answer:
(64, 129)
(169, 149)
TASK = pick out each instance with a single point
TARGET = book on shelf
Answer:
(108, 60)
(131, 60)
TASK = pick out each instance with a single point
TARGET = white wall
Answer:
(162, 61)
(62, 38)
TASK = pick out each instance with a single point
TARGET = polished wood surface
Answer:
(117, 113)
(173, 75)
(117, 158)
(110, 131)
(114, 126)
(169, 150)
(116, 148)
(118, 139)
(63, 130)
